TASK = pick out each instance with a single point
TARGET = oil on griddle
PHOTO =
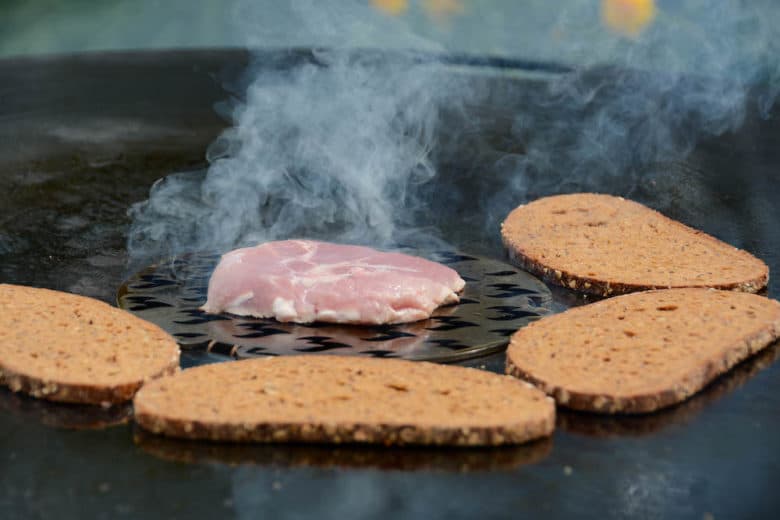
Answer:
(498, 299)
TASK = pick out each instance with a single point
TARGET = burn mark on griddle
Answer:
(323, 348)
(509, 290)
(389, 335)
(198, 317)
(509, 313)
(450, 323)
(502, 273)
(140, 299)
(144, 303)
(318, 325)
(315, 339)
(380, 353)
(321, 344)
(451, 344)
(243, 351)
(260, 325)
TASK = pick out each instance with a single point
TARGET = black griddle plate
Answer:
(83, 137)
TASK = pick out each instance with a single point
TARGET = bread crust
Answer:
(53, 390)
(530, 258)
(306, 409)
(340, 433)
(713, 360)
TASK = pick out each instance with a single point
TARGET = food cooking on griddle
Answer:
(306, 281)
(641, 352)
(69, 348)
(339, 399)
(607, 245)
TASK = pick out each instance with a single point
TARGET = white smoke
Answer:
(333, 147)
(631, 113)
(347, 144)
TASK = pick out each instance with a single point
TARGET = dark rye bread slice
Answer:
(340, 399)
(607, 245)
(640, 352)
(63, 347)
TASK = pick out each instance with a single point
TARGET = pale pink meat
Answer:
(305, 281)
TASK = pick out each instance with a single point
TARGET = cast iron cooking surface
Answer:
(497, 300)
(83, 137)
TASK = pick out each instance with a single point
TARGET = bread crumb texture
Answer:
(339, 399)
(640, 352)
(63, 347)
(607, 245)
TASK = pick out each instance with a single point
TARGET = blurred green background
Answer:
(64, 26)
(708, 36)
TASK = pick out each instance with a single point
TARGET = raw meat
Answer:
(305, 281)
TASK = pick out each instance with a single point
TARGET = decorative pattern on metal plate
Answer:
(498, 299)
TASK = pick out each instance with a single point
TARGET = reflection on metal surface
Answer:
(637, 425)
(498, 299)
(64, 415)
(460, 460)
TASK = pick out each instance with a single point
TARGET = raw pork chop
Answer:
(306, 281)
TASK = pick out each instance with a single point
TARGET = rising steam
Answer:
(332, 148)
(346, 145)
(630, 115)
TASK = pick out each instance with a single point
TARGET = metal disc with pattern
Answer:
(498, 299)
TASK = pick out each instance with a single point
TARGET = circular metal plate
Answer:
(498, 299)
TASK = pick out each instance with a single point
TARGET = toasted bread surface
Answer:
(607, 245)
(63, 347)
(340, 399)
(640, 352)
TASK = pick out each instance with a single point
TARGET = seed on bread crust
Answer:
(607, 245)
(640, 352)
(340, 399)
(69, 348)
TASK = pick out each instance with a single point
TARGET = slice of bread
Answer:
(340, 399)
(639, 425)
(640, 352)
(69, 348)
(607, 245)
